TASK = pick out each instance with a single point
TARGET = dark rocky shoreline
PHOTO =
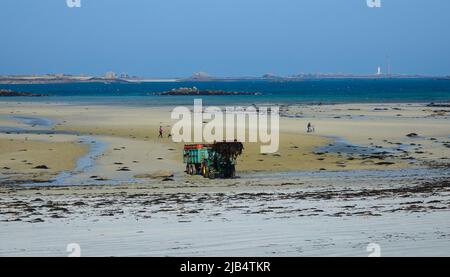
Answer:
(11, 93)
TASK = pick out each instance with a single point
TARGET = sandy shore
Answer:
(28, 159)
(359, 175)
(131, 134)
(406, 213)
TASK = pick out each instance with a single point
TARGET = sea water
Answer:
(325, 91)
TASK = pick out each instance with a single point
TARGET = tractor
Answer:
(217, 160)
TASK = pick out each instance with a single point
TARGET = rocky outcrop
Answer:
(184, 91)
(11, 93)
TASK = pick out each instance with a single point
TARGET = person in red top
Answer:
(161, 131)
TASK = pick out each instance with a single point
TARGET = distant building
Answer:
(124, 76)
(200, 76)
(110, 75)
(379, 71)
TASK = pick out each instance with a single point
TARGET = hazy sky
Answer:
(223, 37)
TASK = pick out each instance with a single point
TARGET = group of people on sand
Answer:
(309, 129)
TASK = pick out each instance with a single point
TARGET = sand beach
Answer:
(100, 176)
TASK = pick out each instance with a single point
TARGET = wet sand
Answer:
(24, 160)
(324, 215)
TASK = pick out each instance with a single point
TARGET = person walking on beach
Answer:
(161, 131)
(310, 128)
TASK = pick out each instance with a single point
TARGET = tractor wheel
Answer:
(204, 171)
(233, 173)
(211, 174)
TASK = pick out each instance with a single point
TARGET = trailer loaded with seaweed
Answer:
(217, 160)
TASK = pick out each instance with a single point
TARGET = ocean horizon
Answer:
(322, 91)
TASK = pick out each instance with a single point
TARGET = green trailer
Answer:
(216, 160)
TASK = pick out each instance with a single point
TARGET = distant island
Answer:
(111, 78)
(184, 91)
(58, 79)
(11, 93)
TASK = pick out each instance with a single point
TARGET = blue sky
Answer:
(167, 38)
